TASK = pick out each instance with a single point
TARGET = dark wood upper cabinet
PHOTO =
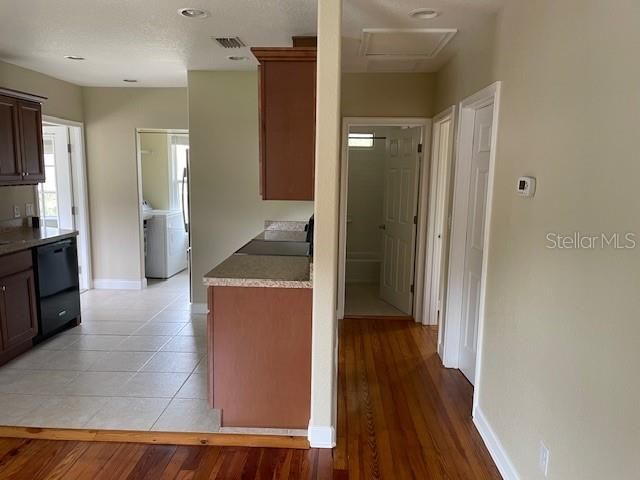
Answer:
(287, 105)
(21, 147)
(10, 169)
(30, 116)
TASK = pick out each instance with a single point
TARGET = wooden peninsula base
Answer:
(259, 343)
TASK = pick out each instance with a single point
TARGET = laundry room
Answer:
(163, 184)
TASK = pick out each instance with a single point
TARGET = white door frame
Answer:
(467, 111)
(424, 124)
(438, 222)
(80, 190)
(168, 131)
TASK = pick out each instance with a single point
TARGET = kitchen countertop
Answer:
(15, 239)
(283, 236)
(261, 271)
(272, 271)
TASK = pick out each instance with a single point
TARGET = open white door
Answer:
(471, 290)
(400, 208)
(438, 227)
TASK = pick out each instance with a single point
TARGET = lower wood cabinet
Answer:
(18, 310)
(259, 342)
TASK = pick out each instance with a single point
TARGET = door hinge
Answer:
(69, 147)
(419, 148)
(74, 210)
(412, 289)
(415, 219)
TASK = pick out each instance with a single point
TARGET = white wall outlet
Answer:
(28, 210)
(16, 211)
(544, 459)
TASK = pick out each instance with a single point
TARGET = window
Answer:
(47, 192)
(361, 140)
(178, 170)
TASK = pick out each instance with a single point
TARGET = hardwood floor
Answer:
(68, 460)
(400, 416)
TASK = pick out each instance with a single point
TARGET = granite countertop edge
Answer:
(256, 283)
(15, 246)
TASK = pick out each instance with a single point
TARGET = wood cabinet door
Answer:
(10, 168)
(288, 117)
(18, 313)
(31, 141)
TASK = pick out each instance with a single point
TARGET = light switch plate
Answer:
(28, 210)
(16, 211)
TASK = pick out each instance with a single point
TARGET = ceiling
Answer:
(148, 41)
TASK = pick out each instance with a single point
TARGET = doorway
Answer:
(163, 187)
(470, 234)
(384, 172)
(439, 220)
(62, 199)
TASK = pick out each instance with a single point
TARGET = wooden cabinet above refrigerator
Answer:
(287, 106)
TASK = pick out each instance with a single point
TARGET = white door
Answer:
(440, 192)
(400, 207)
(479, 180)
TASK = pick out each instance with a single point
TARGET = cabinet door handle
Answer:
(26, 174)
(4, 288)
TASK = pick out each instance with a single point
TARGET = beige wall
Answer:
(388, 94)
(561, 334)
(470, 69)
(64, 101)
(155, 169)
(227, 209)
(326, 209)
(112, 116)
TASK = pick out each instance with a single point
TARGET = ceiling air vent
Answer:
(229, 42)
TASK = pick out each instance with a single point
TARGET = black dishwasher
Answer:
(58, 286)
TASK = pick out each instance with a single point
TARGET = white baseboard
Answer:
(199, 308)
(496, 450)
(321, 436)
(117, 284)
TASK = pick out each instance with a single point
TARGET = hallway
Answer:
(400, 413)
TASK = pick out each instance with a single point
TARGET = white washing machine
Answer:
(167, 243)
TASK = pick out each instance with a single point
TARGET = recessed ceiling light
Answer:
(73, 57)
(193, 13)
(237, 58)
(424, 13)
(130, 80)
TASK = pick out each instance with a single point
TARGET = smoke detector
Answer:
(193, 13)
(424, 13)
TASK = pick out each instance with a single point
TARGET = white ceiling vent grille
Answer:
(407, 43)
(229, 42)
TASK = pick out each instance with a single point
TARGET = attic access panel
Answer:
(395, 43)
